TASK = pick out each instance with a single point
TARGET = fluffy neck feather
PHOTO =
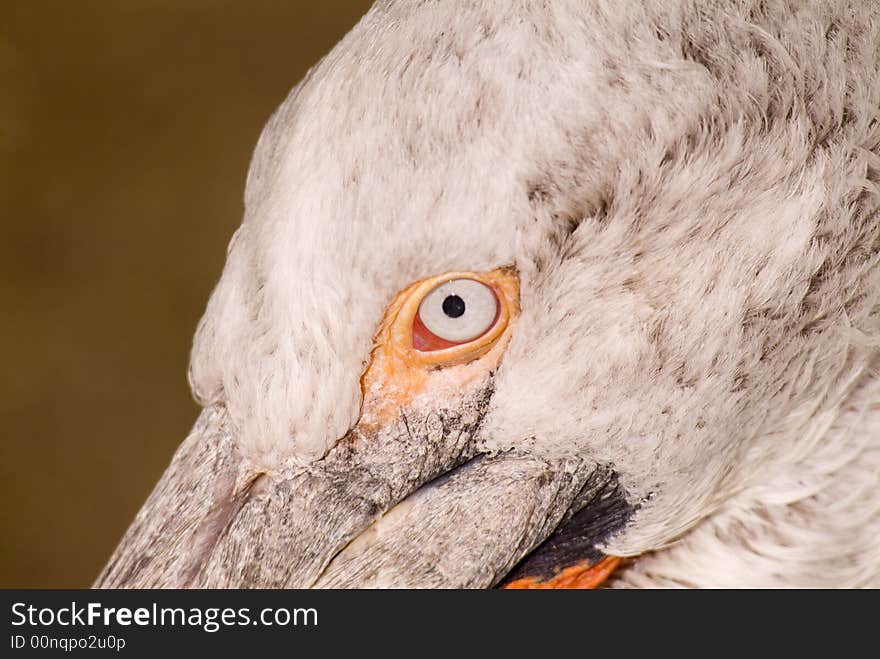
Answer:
(815, 522)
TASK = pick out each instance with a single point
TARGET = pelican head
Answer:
(526, 292)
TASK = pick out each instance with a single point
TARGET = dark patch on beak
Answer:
(604, 512)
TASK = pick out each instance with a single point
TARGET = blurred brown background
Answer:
(125, 133)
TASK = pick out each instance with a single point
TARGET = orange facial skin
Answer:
(399, 372)
(580, 576)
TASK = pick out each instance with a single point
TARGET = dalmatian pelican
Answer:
(547, 295)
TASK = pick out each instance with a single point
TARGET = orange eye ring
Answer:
(400, 367)
(422, 346)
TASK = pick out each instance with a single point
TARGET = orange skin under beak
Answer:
(580, 576)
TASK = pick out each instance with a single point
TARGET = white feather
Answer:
(690, 193)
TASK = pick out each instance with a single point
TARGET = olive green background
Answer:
(126, 127)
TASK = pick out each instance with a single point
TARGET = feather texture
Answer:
(690, 192)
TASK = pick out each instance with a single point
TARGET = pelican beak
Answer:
(406, 498)
(497, 520)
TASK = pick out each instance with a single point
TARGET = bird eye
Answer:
(456, 311)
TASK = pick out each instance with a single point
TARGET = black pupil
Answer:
(453, 306)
